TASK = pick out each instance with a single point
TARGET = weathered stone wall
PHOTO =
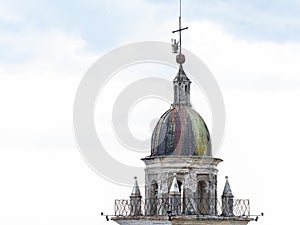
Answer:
(189, 172)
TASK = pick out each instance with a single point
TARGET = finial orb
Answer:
(180, 59)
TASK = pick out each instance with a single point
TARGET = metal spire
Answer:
(179, 58)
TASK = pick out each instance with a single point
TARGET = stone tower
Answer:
(181, 172)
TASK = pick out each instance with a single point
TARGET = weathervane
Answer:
(175, 45)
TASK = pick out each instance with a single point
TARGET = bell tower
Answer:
(181, 172)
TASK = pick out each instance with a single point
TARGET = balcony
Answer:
(183, 207)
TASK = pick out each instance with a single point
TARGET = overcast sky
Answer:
(251, 47)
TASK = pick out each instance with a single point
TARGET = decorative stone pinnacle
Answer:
(174, 190)
(227, 189)
(135, 190)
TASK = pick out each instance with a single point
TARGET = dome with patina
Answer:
(181, 131)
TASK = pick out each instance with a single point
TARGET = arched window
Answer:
(153, 201)
(180, 203)
(189, 203)
(154, 189)
(203, 200)
(180, 186)
(176, 200)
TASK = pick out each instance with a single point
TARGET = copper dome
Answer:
(181, 131)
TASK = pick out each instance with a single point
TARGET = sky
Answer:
(251, 47)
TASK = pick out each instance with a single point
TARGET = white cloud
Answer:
(44, 53)
(9, 14)
(37, 92)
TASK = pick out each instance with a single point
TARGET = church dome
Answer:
(181, 131)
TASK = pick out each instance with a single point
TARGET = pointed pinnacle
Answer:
(174, 190)
(227, 189)
(135, 189)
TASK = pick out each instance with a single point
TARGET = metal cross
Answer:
(180, 29)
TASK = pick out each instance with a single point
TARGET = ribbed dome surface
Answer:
(181, 132)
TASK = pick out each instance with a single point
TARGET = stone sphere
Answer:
(180, 59)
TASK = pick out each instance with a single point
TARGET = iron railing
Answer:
(185, 206)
